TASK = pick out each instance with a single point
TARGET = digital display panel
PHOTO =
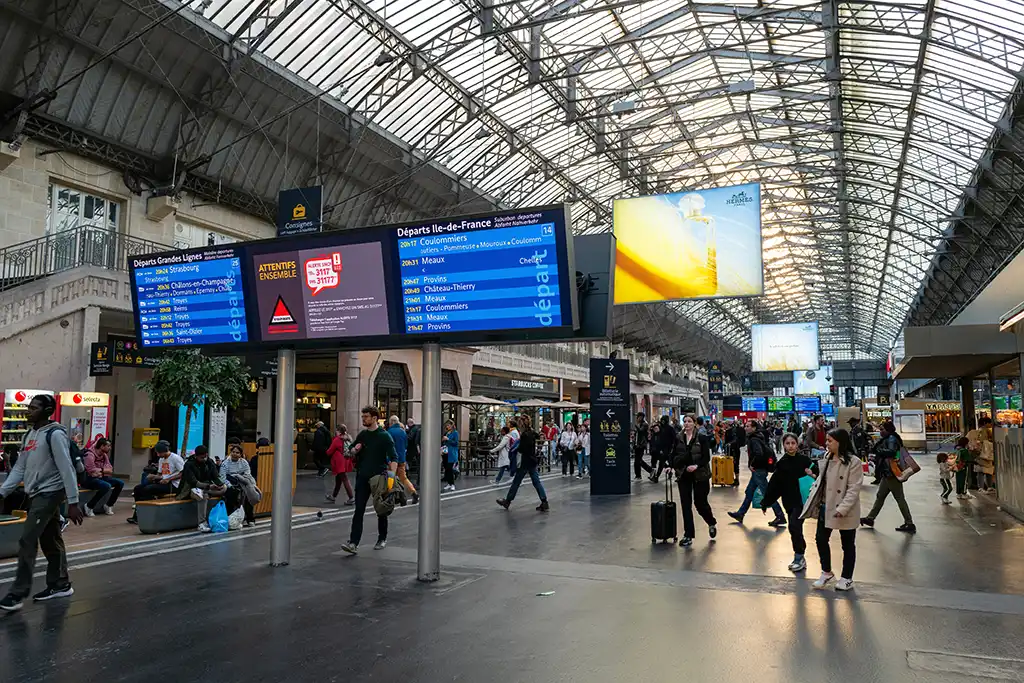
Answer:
(813, 381)
(689, 245)
(780, 404)
(808, 404)
(755, 404)
(788, 346)
(189, 298)
(828, 410)
(498, 272)
(331, 292)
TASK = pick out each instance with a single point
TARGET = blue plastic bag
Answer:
(758, 497)
(218, 519)
(805, 487)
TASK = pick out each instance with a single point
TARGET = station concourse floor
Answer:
(578, 594)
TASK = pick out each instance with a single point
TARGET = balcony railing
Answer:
(84, 245)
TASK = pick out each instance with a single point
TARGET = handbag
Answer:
(907, 465)
(806, 483)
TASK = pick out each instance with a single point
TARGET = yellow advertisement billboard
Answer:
(787, 346)
(689, 245)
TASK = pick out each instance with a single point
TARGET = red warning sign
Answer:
(281, 320)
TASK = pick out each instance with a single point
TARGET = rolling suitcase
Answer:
(722, 470)
(663, 516)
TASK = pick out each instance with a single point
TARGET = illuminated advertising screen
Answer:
(328, 292)
(689, 245)
(780, 404)
(828, 410)
(807, 404)
(189, 298)
(788, 346)
(755, 404)
(498, 272)
(813, 381)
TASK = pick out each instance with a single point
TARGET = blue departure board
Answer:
(189, 298)
(495, 273)
(755, 404)
(808, 404)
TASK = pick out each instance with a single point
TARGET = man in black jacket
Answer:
(201, 473)
(321, 442)
(640, 435)
(737, 439)
(761, 461)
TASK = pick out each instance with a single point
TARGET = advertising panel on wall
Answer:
(787, 346)
(689, 245)
(490, 278)
(813, 381)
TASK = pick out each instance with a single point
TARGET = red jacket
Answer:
(340, 464)
(95, 462)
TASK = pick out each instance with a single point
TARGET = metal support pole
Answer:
(284, 467)
(991, 379)
(428, 565)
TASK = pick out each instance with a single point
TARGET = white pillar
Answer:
(429, 545)
(284, 433)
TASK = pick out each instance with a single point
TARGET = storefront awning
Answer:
(954, 351)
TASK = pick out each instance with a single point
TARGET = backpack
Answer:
(77, 459)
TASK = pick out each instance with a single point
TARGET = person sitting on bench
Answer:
(200, 480)
(163, 480)
(234, 471)
(99, 476)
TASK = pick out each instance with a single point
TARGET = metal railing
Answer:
(83, 245)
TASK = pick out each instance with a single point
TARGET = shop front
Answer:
(941, 418)
(512, 388)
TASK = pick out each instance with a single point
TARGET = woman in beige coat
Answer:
(835, 501)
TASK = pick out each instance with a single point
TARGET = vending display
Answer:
(14, 424)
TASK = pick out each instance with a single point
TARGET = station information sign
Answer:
(755, 404)
(780, 404)
(808, 404)
(189, 298)
(498, 272)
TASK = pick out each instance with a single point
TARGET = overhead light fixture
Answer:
(383, 58)
(1011, 318)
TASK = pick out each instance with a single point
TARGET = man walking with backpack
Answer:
(46, 468)
(761, 460)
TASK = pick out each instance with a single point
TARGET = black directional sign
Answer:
(609, 426)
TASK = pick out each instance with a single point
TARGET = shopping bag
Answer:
(218, 519)
(235, 519)
(758, 497)
(806, 483)
(907, 464)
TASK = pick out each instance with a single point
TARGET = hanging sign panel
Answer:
(490, 278)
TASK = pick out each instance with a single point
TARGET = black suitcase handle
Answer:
(668, 489)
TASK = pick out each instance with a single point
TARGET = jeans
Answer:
(758, 480)
(41, 529)
(583, 460)
(568, 461)
(736, 466)
(961, 482)
(341, 479)
(362, 498)
(693, 493)
(639, 464)
(947, 488)
(101, 486)
(449, 473)
(513, 462)
(894, 486)
(796, 529)
(848, 537)
(151, 491)
(518, 479)
(501, 471)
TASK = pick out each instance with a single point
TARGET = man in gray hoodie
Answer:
(49, 476)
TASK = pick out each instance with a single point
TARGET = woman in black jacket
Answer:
(692, 465)
(785, 486)
(529, 460)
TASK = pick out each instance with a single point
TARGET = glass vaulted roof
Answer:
(864, 121)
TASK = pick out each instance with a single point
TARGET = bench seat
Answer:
(10, 533)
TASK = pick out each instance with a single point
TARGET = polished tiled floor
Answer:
(946, 605)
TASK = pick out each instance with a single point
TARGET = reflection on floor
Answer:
(578, 594)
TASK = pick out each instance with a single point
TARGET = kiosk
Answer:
(86, 414)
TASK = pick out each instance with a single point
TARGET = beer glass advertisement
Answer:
(689, 245)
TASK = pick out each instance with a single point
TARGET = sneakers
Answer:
(204, 528)
(380, 545)
(415, 499)
(131, 520)
(713, 530)
(777, 522)
(686, 542)
(65, 523)
(907, 528)
(543, 507)
(11, 603)
(350, 548)
(330, 499)
(824, 579)
(108, 510)
(448, 487)
(197, 494)
(737, 516)
(51, 593)
(868, 522)
(798, 564)
(947, 501)
(503, 503)
(88, 511)
(350, 501)
(844, 584)
(322, 472)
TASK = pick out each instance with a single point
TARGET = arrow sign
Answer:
(610, 413)
(610, 367)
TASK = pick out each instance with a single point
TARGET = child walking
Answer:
(945, 476)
